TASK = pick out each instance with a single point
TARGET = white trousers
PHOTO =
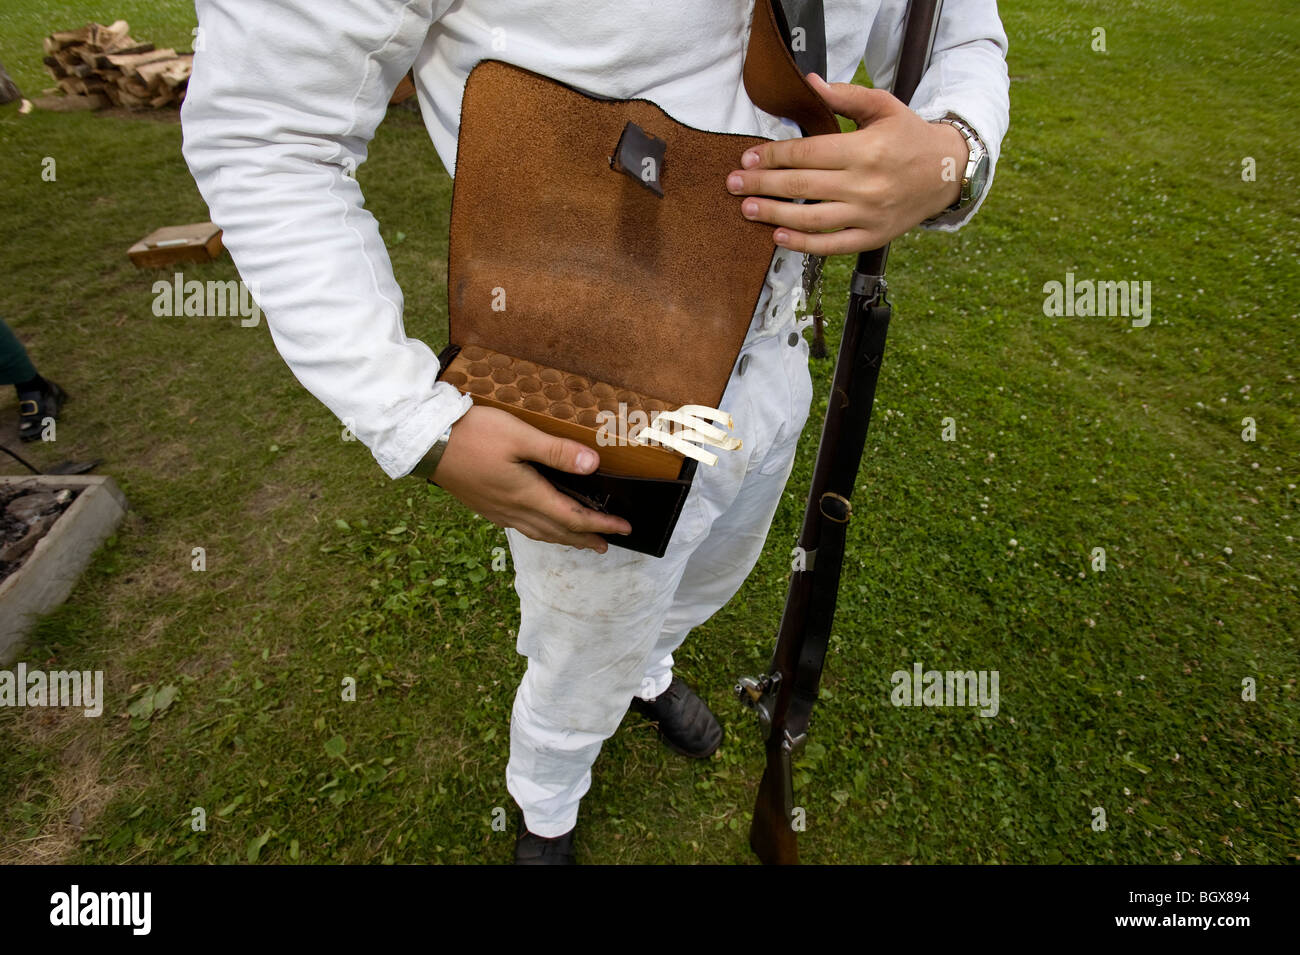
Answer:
(598, 629)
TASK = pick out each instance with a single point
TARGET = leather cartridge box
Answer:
(598, 268)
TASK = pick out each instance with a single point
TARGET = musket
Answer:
(783, 697)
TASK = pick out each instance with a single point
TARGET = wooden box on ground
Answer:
(200, 242)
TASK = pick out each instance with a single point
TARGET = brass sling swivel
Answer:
(840, 510)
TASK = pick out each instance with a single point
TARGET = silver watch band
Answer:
(976, 153)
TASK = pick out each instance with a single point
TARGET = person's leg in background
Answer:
(38, 398)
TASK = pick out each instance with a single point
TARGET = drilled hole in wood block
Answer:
(526, 367)
(473, 353)
(607, 404)
(551, 376)
(529, 384)
(509, 394)
(602, 390)
(589, 418)
(583, 399)
(576, 383)
(562, 410)
(478, 369)
(536, 403)
(556, 392)
(503, 376)
(481, 386)
(457, 378)
(498, 360)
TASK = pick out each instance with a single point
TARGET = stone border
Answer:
(51, 569)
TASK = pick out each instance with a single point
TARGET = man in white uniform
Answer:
(284, 99)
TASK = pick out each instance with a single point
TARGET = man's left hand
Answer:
(873, 184)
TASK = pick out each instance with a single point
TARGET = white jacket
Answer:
(286, 95)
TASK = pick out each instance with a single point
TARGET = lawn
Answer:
(1120, 690)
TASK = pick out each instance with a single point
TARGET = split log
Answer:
(57, 41)
(128, 63)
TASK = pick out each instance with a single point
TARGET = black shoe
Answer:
(686, 725)
(35, 406)
(537, 850)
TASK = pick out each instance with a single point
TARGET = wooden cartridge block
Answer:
(600, 415)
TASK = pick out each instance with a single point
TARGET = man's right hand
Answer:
(485, 466)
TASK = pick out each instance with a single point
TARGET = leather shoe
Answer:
(686, 724)
(35, 406)
(531, 849)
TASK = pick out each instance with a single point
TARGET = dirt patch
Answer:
(170, 116)
(79, 793)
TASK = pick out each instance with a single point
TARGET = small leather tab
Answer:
(640, 156)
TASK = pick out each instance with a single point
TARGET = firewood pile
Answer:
(103, 66)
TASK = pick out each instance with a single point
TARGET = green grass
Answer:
(1119, 690)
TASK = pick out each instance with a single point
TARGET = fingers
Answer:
(556, 523)
(570, 515)
(858, 103)
(549, 533)
(808, 152)
(789, 183)
(814, 217)
(563, 454)
(845, 241)
(487, 468)
(542, 513)
(554, 515)
(557, 517)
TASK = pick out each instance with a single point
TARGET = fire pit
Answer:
(50, 525)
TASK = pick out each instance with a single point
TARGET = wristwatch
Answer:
(976, 176)
(429, 463)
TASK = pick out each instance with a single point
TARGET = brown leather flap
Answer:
(559, 258)
(772, 79)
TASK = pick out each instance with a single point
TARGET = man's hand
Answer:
(875, 183)
(485, 466)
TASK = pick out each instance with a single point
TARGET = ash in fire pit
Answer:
(26, 513)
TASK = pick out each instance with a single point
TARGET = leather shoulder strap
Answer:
(775, 83)
(773, 79)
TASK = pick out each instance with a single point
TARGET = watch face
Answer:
(978, 178)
